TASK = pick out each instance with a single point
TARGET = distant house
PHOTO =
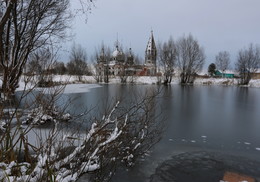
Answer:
(224, 75)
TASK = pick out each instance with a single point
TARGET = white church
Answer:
(119, 63)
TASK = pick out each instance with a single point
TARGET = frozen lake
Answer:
(213, 118)
(198, 118)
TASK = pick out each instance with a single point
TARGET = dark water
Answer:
(208, 118)
(213, 118)
(203, 166)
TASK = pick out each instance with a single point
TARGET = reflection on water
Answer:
(204, 118)
(214, 118)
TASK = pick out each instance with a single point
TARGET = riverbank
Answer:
(155, 80)
(88, 82)
(68, 79)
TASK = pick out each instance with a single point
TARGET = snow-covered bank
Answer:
(176, 80)
(254, 83)
(225, 81)
(216, 81)
(89, 82)
(199, 81)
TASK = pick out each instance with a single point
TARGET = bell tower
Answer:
(150, 56)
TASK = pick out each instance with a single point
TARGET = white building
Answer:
(120, 64)
(150, 56)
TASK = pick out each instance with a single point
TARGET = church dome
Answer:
(117, 53)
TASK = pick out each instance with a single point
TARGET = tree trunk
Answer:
(245, 79)
(167, 79)
(10, 82)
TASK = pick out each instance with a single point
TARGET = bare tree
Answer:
(127, 67)
(223, 61)
(190, 58)
(78, 62)
(40, 64)
(167, 57)
(248, 62)
(130, 65)
(59, 68)
(123, 75)
(24, 27)
(102, 58)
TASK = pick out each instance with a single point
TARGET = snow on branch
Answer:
(119, 137)
(82, 159)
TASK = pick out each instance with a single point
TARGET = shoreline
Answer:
(254, 83)
(139, 80)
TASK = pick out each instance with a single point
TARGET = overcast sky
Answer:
(217, 24)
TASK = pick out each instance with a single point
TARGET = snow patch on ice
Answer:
(79, 88)
(42, 115)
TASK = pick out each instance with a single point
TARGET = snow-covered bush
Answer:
(42, 115)
(117, 138)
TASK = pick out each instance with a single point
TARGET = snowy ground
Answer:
(154, 80)
(88, 82)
